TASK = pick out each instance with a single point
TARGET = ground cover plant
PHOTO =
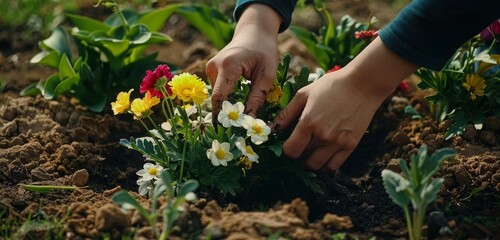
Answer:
(70, 173)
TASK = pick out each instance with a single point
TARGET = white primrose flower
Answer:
(246, 150)
(231, 115)
(145, 187)
(256, 129)
(149, 172)
(219, 154)
(190, 110)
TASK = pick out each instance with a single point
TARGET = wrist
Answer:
(377, 71)
(260, 18)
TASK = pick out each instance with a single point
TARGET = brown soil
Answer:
(58, 142)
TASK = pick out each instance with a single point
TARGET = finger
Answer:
(223, 85)
(336, 161)
(290, 113)
(299, 139)
(211, 70)
(320, 156)
(258, 92)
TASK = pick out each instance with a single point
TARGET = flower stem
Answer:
(184, 149)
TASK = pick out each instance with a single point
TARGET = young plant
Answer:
(467, 89)
(176, 196)
(210, 21)
(110, 55)
(416, 186)
(335, 45)
(228, 157)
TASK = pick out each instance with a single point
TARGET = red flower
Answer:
(149, 81)
(403, 86)
(366, 34)
(334, 68)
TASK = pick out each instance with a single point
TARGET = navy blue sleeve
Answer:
(428, 32)
(282, 7)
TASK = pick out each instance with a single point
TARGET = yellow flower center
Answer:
(257, 129)
(233, 115)
(220, 154)
(188, 92)
(249, 150)
(153, 171)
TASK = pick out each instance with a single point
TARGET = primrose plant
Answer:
(416, 186)
(467, 89)
(187, 144)
(110, 54)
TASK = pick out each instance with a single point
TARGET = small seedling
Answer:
(416, 186)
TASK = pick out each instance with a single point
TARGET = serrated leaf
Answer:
(394, 185)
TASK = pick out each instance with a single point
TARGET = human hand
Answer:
(332, 117)
(252, 53)
(334, 111)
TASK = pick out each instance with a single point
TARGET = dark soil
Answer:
(59, 142)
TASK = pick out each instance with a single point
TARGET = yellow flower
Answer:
(142, 107)
(189, 87)
(122, 103)
(275, 94)
(475, 86)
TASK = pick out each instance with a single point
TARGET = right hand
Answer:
(252, 53)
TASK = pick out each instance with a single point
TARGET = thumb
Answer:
(290, 114)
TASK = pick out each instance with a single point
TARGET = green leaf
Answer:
(156, 19)
(213, 24)
(123, 197)
(87, 24)
(187, 187)
(46, 188)
(58, 41)
(65, 68)
(394, 186)
(50, 59)
(139, 34)
(429, 193)
(130, 15)
(30, 90)
(49, 87)
(65, 85)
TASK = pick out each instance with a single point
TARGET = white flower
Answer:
(219, 153)
(145, 187)
(149, 172)
(246, 150)
(190, 110)
(190, 197)
(231, 115)
(485, 57)
(256, 129)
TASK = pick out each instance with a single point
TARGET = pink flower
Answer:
(149, 81)
(366, 34)
(334, 68)
(491, 31)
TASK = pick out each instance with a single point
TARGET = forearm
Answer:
(428, 32)
(258, 18)
(377, 70)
